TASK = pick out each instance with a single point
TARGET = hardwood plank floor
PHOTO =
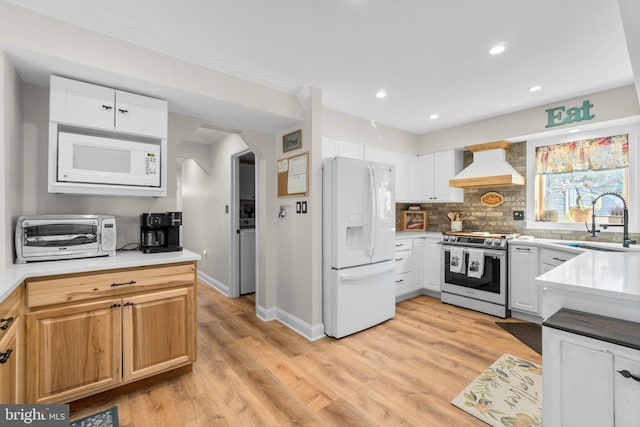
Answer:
(403, 372)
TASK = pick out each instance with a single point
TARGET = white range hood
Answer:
(489, 168)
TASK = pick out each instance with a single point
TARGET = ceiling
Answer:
(431, 56)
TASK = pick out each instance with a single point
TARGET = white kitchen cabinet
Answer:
(432, 265)
(433, 175)
(524, 294)
(551, 258)
(583, 384)
(92, 106)
(402, 167)
(337, 147)
(403, 262)
(418, 263)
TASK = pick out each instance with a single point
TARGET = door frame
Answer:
(234, 236)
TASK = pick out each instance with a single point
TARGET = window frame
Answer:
(633, 201)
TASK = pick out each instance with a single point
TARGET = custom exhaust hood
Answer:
(489, 168)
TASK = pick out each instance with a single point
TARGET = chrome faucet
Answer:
(626, 240)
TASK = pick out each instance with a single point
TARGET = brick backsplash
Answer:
(477, 217)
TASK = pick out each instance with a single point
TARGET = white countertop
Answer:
(14, 275)
(610, 274)
(418, 235)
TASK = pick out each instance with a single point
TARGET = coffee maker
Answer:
(160, 232)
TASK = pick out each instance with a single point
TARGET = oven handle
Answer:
(491, 252)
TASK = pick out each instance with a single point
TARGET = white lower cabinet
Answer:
(588, 382)
(418, 263)
(403, 266)
(523, 270)
(432, 265)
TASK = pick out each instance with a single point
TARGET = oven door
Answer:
(490, 287)
(50, 239)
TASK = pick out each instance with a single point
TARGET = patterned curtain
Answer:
(611, 152)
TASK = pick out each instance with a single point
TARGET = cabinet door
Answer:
(9, 367)
(418, 263)
(159, 332)
(81, 104)
(140, 115)
(586, 386)
(446, 164)
(523, 269)
(425, 178)
(432, 265)
(73, 351)
(626, 391)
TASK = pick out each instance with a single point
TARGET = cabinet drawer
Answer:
(403, 283)
(10, 310)
(78, 287)
(555, 258)
(403, 261)
(404, 244)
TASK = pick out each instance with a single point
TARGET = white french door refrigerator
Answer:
(358, 219)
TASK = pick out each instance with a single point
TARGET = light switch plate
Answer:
(304, 207)
(298, 207)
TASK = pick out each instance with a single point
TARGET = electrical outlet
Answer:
(518, 215)
(298, 207)
(304, 207)
(226, 208)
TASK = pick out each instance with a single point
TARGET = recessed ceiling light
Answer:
(497, 49)
(574, 130)
(381, 94)
(433, 116)
(535, 88)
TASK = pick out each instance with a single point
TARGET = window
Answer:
(570, 176)
(567, 172)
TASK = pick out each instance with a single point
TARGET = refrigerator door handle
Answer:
(372, 210)
(370, 272)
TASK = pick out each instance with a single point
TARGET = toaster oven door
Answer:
(51, 239)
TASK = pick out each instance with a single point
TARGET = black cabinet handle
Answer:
(559, 259)
(123, 111)
(133, 282)
(5, 356)
(399, 259)
(628, 374)
(399, 281)
(7, 321)
(116, 305)
(128, 303)
(107, 107)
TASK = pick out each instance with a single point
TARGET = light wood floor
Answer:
(403, 372)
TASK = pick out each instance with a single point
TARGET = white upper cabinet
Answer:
(338, 147)
(434, 172)
(91, 106)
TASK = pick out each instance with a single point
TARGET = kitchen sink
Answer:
(591, 247)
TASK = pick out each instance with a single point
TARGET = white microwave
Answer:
(97, 160)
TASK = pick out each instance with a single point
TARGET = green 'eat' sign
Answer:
(557, 116)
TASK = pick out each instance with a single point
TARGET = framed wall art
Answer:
(292, 141)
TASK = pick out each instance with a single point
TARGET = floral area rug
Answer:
(507, 394)
(106, 418)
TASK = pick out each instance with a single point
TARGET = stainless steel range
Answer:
(474, 271)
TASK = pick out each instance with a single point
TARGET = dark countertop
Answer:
(615, 331)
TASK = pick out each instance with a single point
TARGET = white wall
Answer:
(127, 210)
(11, 183)
(347, 127)
(607, 105)
(206, 225)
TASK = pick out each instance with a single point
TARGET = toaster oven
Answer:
(54, 237)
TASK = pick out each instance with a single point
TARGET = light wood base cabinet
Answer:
(11, 348)
(74, 351)
(82, 348)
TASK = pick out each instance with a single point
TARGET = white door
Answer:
(382, 184)
(364, 296)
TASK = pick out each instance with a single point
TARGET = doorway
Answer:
(243, 257)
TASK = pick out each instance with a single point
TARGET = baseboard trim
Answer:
(526, 316)
(266, 314)
(213, 283)
(310, 332)
(431, 293)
